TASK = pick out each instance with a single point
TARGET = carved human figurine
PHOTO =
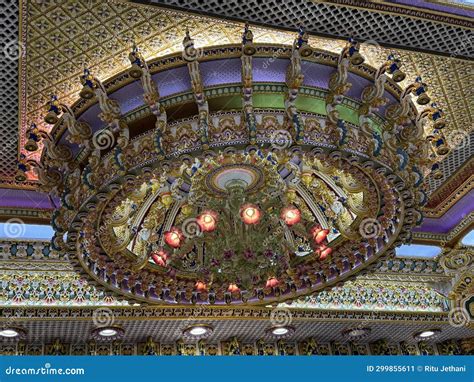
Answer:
(301, 42)
(137, 61)
(57, 348)
(234, 346)
(392, 66)
(310, 347)
(53, 108)
(352, 49)
(22, 168)
(34, 137)
(247, 41)
(150, 347)
(89, 84)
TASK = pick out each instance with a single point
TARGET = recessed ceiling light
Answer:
(356, 333)
(280, 331)
(107, 332)
(426, 334)
(10, 333)
(198, 331)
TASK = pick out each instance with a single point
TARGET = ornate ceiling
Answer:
(58, 39)
(61, 39)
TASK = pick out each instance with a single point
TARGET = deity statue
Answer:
(150, 347)
(22, 168)
(54, 110)
(392, 66)
(247, 41)
(137, 61)
(34, 136)
(301, 42)
(234, 346)
(352, 50)
(89, 84)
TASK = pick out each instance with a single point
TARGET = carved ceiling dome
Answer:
(234, 184)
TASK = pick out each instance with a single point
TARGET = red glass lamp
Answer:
(250, 214)
(174, 237)
(207, 221)
(318, 233)
(290, 215)
(159, 257)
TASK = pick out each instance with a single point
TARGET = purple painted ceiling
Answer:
(24, 199)
(220, 72)
(451, 218)
(454, 9)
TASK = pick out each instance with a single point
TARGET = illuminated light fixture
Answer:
(272, 282)
(161, 181)
(207, 221)
(108, 333)
(290, 215)
(323, 251)
(425, 334)
(9, 333)
(233, 288)
(174, 237)
(159, 257)
(198, 331)
(280, 331)
(201, 286)
(13, 333)
(356, 333)
(250, 214)
(318, 233)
